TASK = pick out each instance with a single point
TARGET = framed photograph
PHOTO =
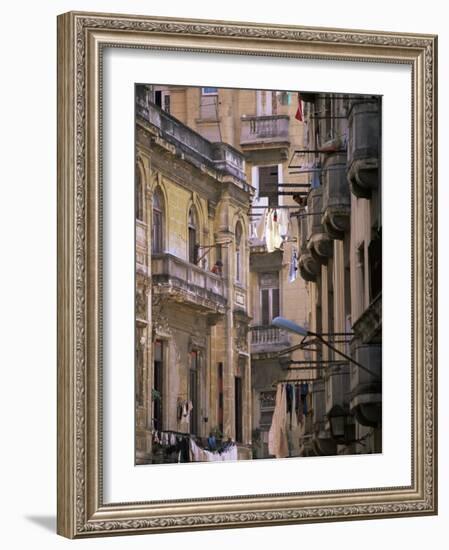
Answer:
(246, 274)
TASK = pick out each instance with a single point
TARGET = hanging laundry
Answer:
(253, 230)
(304, 392)
(293, 268)
(229, 451)
(260, 229)
(284, 222)
(277, 435)
(299, 409)
(295, 433)
(289, 399)
(212, 442)
(269, 232)
(273, 239)
(299, 113)
(316, 170)
(273, 227)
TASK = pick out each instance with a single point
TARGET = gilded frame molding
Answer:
(81, 37)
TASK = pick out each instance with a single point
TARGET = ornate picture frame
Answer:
(82, 40)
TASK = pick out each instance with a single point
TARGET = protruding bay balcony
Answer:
(183, 282)
(363, 147)
(322, 443)
(309, 267)
(319, 243)
(336, 196)
(366, 387)
(340, 421)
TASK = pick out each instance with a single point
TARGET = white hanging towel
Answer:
(284, 222)
(260, 229)
(269, 232)
(277, 436)
(273, 239)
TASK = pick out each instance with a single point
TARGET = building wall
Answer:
(340, 302)
(216, 327)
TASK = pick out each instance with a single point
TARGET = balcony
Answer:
(187, 284)
(336, 197)
(340, 421)
(265, 132)
(192, 146)
(366, 388)
(309, 268)
(322, 443)
(363, 148)
(368, 327)
(266, 339)
(319, 243)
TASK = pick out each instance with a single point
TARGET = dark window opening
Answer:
(158, 223)
(193, 237)
(138, 197)
(193, 391)
(139, 367)
(157, 393)
(268, 184)
(220, 397)
(361, 270)
(162, 100)
(375, 266)
(238, 252)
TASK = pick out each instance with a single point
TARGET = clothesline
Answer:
(293, 381)
(190, 448)
(275, 207)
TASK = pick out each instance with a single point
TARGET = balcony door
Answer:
(193, 236)
(269, 297)
(158, 222)
(265, 103)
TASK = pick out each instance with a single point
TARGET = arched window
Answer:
(158, 222)
(138, 197)
(193, 235)
(238, 252)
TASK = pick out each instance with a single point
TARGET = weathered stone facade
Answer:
(192, 324)
(341, 260)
